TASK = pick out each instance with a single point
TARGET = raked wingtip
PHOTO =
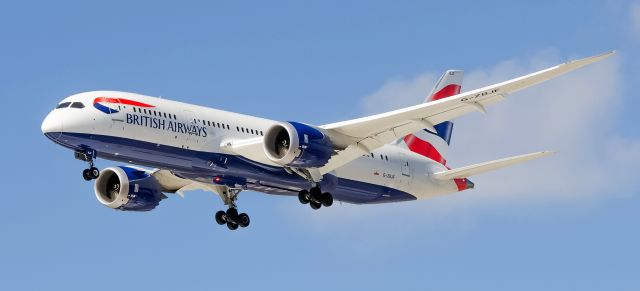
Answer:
(595, 58)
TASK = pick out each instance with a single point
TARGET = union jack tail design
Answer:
(434, 145)
(430, 144)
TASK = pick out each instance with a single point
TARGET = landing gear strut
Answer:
(315, 198)
(231, 217)
(92, 172)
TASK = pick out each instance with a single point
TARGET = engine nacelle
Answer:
(297, 145)
(128, 189)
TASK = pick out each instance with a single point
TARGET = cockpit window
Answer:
(63, 105)
(77, 105)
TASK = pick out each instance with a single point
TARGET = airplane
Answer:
(175, 147)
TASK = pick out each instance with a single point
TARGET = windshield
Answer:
(77, 105)
(63, 105)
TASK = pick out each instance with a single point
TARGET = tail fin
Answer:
(430, 144)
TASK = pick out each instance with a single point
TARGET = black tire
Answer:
(327, 199)
(95, 173)
(303, 196)
(86, 174)
(243, 220)
(232, 214)
(316, 193)
(221, 217)
(232, 226)
(315, 205)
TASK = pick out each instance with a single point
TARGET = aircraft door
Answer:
(405, 170)
(192, 135)
(116, 114)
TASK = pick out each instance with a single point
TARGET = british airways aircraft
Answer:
(389, 157)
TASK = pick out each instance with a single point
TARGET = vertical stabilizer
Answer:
(431, 144)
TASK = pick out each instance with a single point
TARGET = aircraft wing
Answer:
(172, 183)
(368, 133)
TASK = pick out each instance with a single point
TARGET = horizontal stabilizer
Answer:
(471, 170)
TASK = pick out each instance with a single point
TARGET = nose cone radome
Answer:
(52, 125)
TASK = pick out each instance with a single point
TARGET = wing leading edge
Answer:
(368, 133)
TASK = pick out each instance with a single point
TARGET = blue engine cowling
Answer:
(128, 189)
(297, 145)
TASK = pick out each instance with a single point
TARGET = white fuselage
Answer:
(189, 140)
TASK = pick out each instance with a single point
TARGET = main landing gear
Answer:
(315, 198)
(92, 172)
(231, 217)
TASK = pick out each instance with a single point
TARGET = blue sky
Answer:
(567, 222)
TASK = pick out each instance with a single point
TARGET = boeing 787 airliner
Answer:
(394, 156)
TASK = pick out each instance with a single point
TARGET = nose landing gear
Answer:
(90, 173)
(87, 155)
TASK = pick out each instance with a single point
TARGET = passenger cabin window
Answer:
(63, 105)
(77, 105)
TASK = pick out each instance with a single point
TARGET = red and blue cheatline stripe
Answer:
(97, 104)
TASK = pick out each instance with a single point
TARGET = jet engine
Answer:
(297, 145)
(128, 189)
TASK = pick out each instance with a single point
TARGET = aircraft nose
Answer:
(52, 125)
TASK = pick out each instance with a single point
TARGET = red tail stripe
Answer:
(447, 91)
(424, 148)
(461, 183)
